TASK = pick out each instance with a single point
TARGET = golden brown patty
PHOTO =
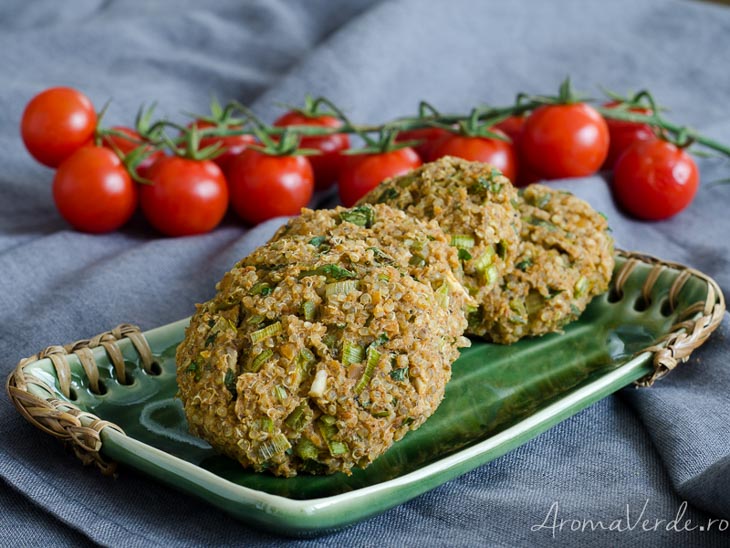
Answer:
(474, 205)
(566, 260)
(314, 360)
(418, 247)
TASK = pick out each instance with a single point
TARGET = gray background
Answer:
(665, 445)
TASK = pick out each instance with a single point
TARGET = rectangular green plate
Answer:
(499, 397)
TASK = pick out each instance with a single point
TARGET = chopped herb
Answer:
(399, 374)
(408, 421)
(211, 323)
(484, 184)
(515, 203)
(574, 310)
(380, 414)
(210, 339)
(387, 195)
(266, 425)
(380, 340)
(193, 368)
(602, 214)
(230, 382)
(330, 271)
(524, 264)
(361, 216)
(464, 255)
(260, 360)
(275, 446)
(261, 288)
(317, 241)
(266, 332)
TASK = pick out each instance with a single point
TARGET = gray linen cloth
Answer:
(640, 449)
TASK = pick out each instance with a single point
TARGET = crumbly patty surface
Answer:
(314, 360)
(418, 247)
(566, 259)
(475, 205)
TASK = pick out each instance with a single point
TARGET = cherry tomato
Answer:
(56, 123)
(186, 197)
(624, 134)
(655, 179)
(93, 191)
(125, 146)
(265, 186)
(565, 140)
(430, 137)
(500, 154)
(364, 172)
(231, 145)
(327, 165)
(512, 127)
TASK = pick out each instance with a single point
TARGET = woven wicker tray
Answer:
(111, 399)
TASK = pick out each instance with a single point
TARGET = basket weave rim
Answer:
(82, 430)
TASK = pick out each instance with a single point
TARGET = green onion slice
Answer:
(351, 353)
(342, 287)
(373, 357)
(462, 241)
(260, 360)
(298, 418)
(266, 332)
(275, 446)
(309, 309)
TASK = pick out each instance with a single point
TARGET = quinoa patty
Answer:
(314, 360)
(475, 206)
(421, 248)
(566, 260)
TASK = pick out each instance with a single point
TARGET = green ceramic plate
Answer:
(499, 398)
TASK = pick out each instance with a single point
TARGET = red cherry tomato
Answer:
(56, 123)
(364, 172)
(500, 154)
(265, 186)
(512, 127)
(93, 191)
(565, 140)
(327, 165)
(231, 145)
(624, 134)
(186, 197)
(654, 179)
(429, 137)
(125, 146)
